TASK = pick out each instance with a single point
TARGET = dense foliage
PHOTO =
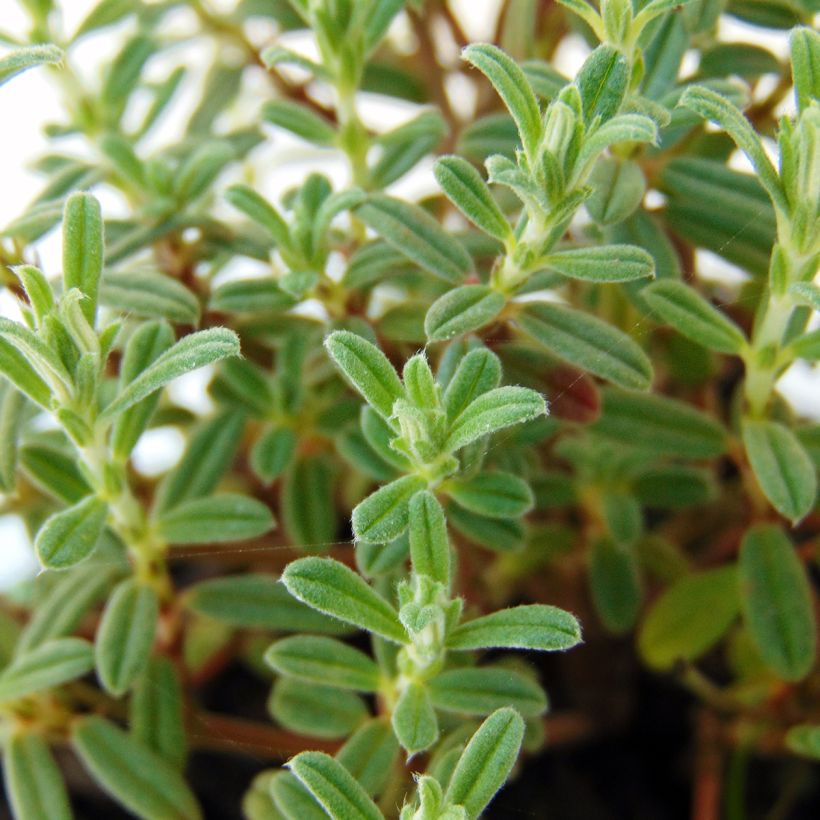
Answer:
(441, 429)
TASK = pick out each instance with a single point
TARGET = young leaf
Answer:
(782, 467)
(414, 719)
(415, 233)
(493, 494)
(156, 711)
(322, 660)
(532, 626)
(462, 310)
(469, 193)
(383, 515)
(190, 353)
(478, 372)
(690, 617)
(33, 781)
(688, 312)
(131, 773)
(603, 81)
(216, 518)
(605, 263)
(367, 369)
(618, 188)
(83, 249)
(71, 535)
(334, 589)
(38, 290)
(589, 343)
(51, 664)
(493, 411)
(805, 54)
(334, 787)
(23, 59)
(481, 690)
(125, 635)
(777, 602)
(15, 367)
(486, 761)
(514, 89)
(429, 545)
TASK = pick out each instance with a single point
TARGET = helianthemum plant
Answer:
(440, 432)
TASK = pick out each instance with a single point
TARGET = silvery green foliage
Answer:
(467, 400)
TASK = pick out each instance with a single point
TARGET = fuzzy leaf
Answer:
(805, 54)
(25, 58)
(316, 710)
(149, 294)
(300, 120)
(370, 754)
(603, 81)
(429, 545)
(478, 372)
(462, 310)
(253, 205)
(83, 249)
(216, 518)
(15, 367)
(605, 263)
(33, 780)
(481, 690)
(69, 536)
(383, 515)
(493, 494)
(45, 666)
(414, 720)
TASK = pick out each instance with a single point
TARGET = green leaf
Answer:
(300, 120)
(605, 263)
(514, 89)
(307, 503)
(782, 467)
(33, 780)
(618, 187)
(201, 168)
(673, 487)
(257, 601)
(83, 249)
(126, 635)
(478, 372)
(334, 787)
(69, 536)
(467, 190)
(481, 690)
(807, 346)
(54, 472)
(688, 312)
(777, 602)
(429, 545)
(690, 617)
(25, 58)
(367, 369)
(272, 452)
(417, 235)
(497, 534)
(805, 59)
(493, 411)
(156, 711)
(492, 494)
(334, 589)
(151, 295)
(324, 660)
(35, 354)
(316, 710)
(131, 773)
(804, 740)
(12, 418)
(531, 626)
(383, 515)
(486, 761)
(603, 81)
(615, 584)
(589, 343)
(214, 519)
(414, 719)
(190, 353)
(370, 754)
(38, 290)
(660, 424)
(15, 367)
(253, 205)
(292, 799)
(50, 664)
(403, 147)
(462, 310)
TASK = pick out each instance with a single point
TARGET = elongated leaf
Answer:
(300, 120)
(481, 690)
(308, 507)
(486, 761)
(415, 233)
(83, 248)
(688, 312)
(429, 545)
(367, 369)
(532, 626)
(493, 411)
(292, 799)
(52, 663)
(470, 194)
(252, 204)
(513, 87)
(369, 755)
(156, 711)
(804, 740)
(315, 709)
(618, 187)
(12, 417)
(478, 372)
(493, 494)
(782, 467)
(603, 81)
(39, 356)
(69, 536)
(15, 367)
(271, 453)
(690, 617)
(462, 310)
(217, 518)
(125, 635)
(588, 343)
(333, 787)
(190, 353)
(323, 660)
(777, 602)
(497, 534)
(149, 294)
(805, 48)
(615, 584)
(605, 263)
(25, 58)
(33, 781)
(383, 515)
(134, 775)
(335, 590)
(414, 719)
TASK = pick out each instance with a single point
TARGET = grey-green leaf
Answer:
(383, 515)
(34, 784)
(45, 666)
(214, 519)
(462, 310)
(414, 719)
(69, 536)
